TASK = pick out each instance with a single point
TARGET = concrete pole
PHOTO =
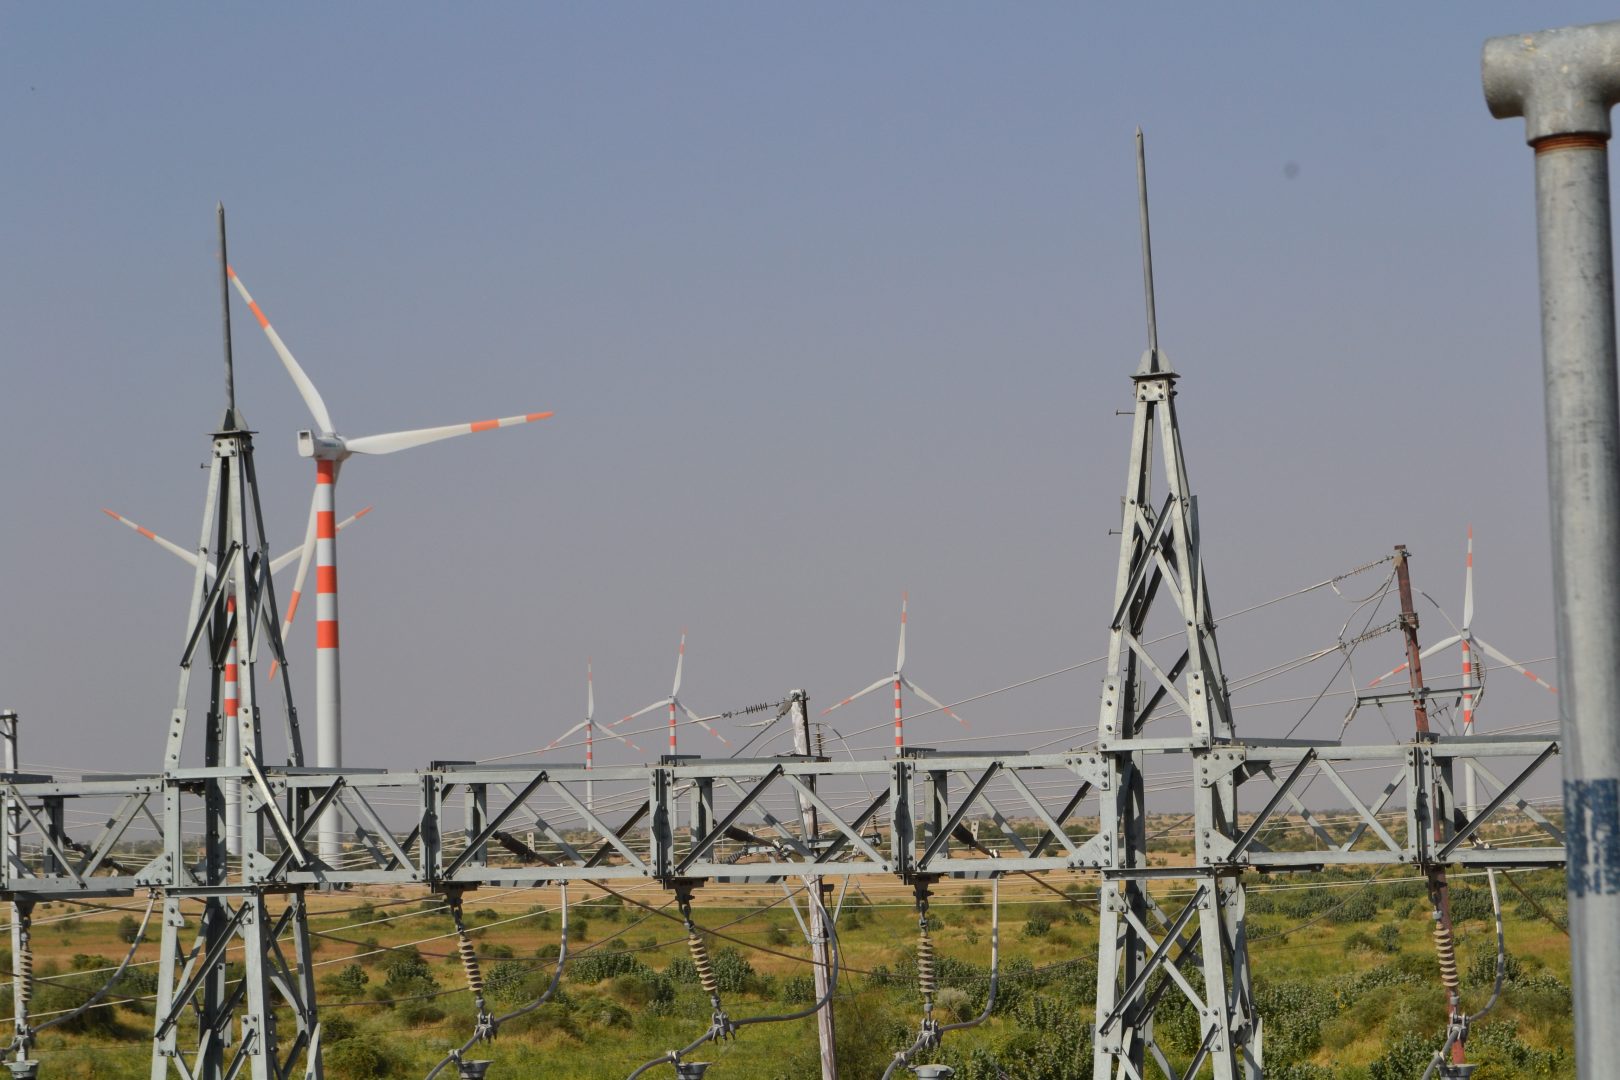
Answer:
(819, 930)
(1563, 82)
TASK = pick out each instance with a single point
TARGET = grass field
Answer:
(1344, 978)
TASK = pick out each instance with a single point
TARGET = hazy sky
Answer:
(831, 301)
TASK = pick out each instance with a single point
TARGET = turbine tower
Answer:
(899, 679)
(330, 450)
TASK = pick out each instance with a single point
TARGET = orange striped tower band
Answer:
(899, 733)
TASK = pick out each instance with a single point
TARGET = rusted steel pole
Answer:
(1439, 892)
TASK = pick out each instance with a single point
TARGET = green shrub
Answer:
(798, 989)
(507, 982)
(336, 1026)
(599, 964)
(1037, 925)
(350, 982)
(358, 1059)
(1404, 1057)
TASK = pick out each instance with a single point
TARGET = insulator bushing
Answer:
(926, 981)
(469, 962)
(1446, 949)
(700, 960)
(25, 965)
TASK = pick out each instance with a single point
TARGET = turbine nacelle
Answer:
(321, 447)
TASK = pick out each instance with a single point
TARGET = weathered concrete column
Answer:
(1563, 82)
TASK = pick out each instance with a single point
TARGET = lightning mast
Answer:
(225, 618)
(1159, 559)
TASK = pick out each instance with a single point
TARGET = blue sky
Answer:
(831, 302)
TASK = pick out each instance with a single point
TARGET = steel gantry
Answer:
(918, 817)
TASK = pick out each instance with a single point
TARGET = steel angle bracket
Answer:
(1218, 762)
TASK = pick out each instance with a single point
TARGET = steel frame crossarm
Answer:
(850, 833)
(476, 844)
(707, 841)
(1264, 816)
(1520, 803)
(1465, 828)
(1368, 816)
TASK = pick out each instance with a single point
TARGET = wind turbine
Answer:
(899, 679)
(233, 746)
(588, 725)
(674, 703)
(330, 450)
(1473, 683)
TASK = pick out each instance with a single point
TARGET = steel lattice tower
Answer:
(230, 610)
(1160, 562)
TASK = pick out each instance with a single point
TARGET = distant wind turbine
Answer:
(330, 450)
(674, 704)
(899, 679)
(588, 725)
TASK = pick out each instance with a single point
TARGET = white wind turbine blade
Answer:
(404, 440)
(282, 561)
(696, 719)
(172, 548)
(661, 703)
(900, 656)
(1503, 658)
(1455, 629)
(1424, 655)
(880, 684)
(590, 694)
(306, 555)
(680, 662)
(1468, 583)
(306, 388)
(932, 700)
(554, 743)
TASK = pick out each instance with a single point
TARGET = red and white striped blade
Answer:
(659, 704)
(280, 562)
(880, 684)
(932, 700)
(696, 719)
(306, 388)
(1425, 654)
(1468, 583)
(1503, 658)
(170, 546)
(608, 731)
(900, 656)
(403, 440)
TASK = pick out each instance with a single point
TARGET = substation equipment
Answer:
(1164, 710)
